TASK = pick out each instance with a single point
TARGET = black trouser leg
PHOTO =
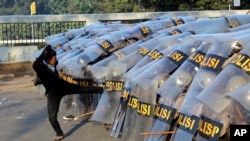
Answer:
(53, 108)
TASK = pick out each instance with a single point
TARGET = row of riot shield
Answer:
(133, 127)
(126, 58)
(167, 79)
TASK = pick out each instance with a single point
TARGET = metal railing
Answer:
(31, 29)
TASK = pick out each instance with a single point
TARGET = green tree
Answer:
(22, 7)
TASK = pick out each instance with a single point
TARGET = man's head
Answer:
(50, 55)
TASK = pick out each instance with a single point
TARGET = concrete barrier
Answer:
(17, 53)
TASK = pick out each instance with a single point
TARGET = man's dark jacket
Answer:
(55, 85)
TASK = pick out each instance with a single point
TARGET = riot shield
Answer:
(239, 28)
(165, 23)
(109, 101)
(207, 71)
(70, 35)
(131, 128)
(130, 117)
(92, 53)
(118, 122)
(237, 113)
(67, 56)
(152, 58)
(240, 105)
(219, 114)
(57, 42)
(111, 42)
(164, 16)
(171, 90)
(51, 37)
(233, 74)
(98, 67)
(237, 20)
(72, 50)
(210, 67)
(77, 43)
(145, 109)
(155, 53)
(168, 63)
(156, 73)
(206, 25)
(212, 125)
(199, 26)
(223, 24)
(119, 126)
(73, 33)
(144, 48)
(106, 45)
(187, 27)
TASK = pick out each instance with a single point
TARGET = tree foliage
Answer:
(22, 7)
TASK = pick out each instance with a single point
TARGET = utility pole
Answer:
(32, 12)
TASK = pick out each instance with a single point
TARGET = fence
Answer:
(28, 30)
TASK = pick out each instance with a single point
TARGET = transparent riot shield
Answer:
(67, 56)
(145, 110)
(155, 53)
(171, 93)
(118, 122)
(108, 44)
(67, 46)
(73, 33)
(235, 84)
(131, 114)
(240, 105)
(199, 26)
(167, 64)
(187, 27)
(219, 119)
(206, 25)
(73, 50)
(132, 126)
(216, 115)
(237, 20)
(98, 67)
(105, 111)
(155, 56)
(239, 112)
(119, 126)
(239, 28)
(212, 125)
(144, 48)
(51, 37)
(231, 77)
(112, 41)
(143, 30)
(92, 53)
(155, 26)
(191, 107)
(57, 42)
(132, 74)
(73, 44)
(66, 104)
(223, 24)
(164, 16)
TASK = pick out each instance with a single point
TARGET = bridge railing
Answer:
(31, 29)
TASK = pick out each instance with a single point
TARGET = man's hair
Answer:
(47, 53)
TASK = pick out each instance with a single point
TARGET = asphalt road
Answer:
(23, 116)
